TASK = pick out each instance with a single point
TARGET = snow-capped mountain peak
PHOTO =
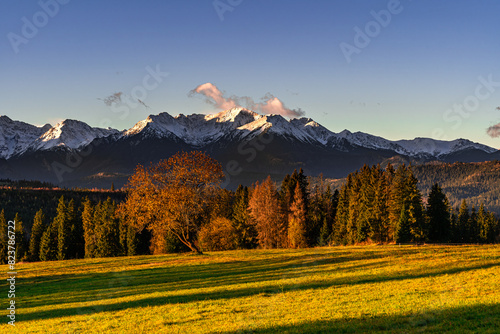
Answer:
(199, 130)
(239, 116)
(69, 133)
(16, 136)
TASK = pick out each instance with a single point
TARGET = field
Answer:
(366, 289)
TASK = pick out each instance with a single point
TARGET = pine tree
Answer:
(398, 197)
(89, 228)
(454, 230)
(315, 215)
(342, 215)
(21, 249)
(123, 235)
(63, 223)
(4, 238)
(488, 226)
(297, 221)
(418, 223)
(472, 226)
(438, 212)
(132, 241)
(330, 203)
(366, 203)
(379, 225)
(107, 229)
(286, 193)
(247, 235)
(77, 247)
(354, 210)
(463, 223)
(402, 233)
(49, 244)
(36, 236)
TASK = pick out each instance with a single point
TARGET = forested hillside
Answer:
(26, 198)
(476, 182)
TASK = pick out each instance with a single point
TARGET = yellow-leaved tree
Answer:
(173, 196)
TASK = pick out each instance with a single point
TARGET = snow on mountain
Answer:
(415, 147)
(243, 124)
(200, 130)
(71, 134)
(196, 129)
(276, 125)
(313, 129)
(16, 136)
(439, 147)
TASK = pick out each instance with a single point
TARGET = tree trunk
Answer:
(191, 245)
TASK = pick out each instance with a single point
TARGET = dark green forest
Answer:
(373, 205)
(476, 182)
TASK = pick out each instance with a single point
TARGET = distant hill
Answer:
(477, 182)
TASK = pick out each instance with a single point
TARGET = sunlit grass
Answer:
(391, 289)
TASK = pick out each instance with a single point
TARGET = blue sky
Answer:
(430, 70)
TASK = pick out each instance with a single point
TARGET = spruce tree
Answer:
(48, 243)
(472, 226)
(89, 228)
(247, 235)
(297, 221)
(402, 233)
(63, 223)
(107, 229)
(36, 236)
(123, 235)
(483, 224)
(315, 214)
(77, 246)
(342, 214)
(354, 211)
(463, 223)
(132, 241)
(397, 198)
(379, 225)
(4, 238)
(21, 249)
(418, 223)
(438, 212)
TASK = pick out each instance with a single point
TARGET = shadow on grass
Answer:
(56, 289)
(468, 319)
(144, 280)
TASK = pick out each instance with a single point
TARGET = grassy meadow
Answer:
(365, 289)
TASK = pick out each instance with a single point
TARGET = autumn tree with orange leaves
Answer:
(173, 196)
(264, 209)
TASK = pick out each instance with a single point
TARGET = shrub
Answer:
(218, 235)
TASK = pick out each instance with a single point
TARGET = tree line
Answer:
(177, 205)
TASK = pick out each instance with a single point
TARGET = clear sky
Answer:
(397, 69)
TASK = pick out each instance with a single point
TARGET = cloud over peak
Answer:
(269, 104)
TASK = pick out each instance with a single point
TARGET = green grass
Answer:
(367, 289)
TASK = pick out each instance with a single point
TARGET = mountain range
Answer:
(249, 145)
